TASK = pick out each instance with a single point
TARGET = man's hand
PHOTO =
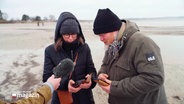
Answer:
(104, 77)
(71, 88)
(54, 81)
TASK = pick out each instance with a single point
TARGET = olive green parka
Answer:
(136, 70)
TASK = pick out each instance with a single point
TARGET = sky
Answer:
(87, 9)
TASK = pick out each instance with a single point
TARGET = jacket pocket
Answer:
(123, 64)
(121, 70)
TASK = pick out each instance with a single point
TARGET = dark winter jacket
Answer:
(137, 71)
(84, 63)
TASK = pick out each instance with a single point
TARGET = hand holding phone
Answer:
(101, 82)
(82, 81)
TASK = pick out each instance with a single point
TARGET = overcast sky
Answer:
(87, 9)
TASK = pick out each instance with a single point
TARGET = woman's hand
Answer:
(88, 82)
(71, 88)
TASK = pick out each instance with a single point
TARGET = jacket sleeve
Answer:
(48, 65)
(42, 96)
(90, 66)
(150, 73)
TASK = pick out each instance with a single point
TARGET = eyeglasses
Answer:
(68, 35)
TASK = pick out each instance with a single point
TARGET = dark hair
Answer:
(59, 42)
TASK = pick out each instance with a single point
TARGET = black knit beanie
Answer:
(69, 26)
(106, 21)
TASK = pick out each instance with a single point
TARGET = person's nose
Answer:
(70, 37)
(101, 38)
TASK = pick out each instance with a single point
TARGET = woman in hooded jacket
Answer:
(70, 43)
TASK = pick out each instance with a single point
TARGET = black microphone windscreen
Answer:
(64, 68)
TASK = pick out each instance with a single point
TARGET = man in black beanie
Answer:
(132, 64)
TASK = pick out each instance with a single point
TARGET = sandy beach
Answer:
(22, 55)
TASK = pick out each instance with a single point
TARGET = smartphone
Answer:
(78, 83)
(101, 82)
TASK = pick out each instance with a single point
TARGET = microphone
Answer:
(64, 68)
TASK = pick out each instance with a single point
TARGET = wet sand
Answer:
(22, 54)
